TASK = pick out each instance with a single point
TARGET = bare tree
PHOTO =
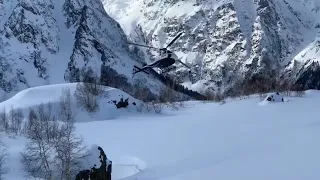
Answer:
(69, 148)
(92, 83)
(37, 157)
(30, 123)
(140, 107)
(87, 94)
(70, 152)
(53, 150)
(48, 122)
(157, 107)
(3, 158)
(66, 113)
(4, 121)
(85, 99)
(15, 117)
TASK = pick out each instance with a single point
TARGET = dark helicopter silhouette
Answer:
(168, 58)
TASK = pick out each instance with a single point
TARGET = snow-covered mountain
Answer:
(226, 41)
(54, 41)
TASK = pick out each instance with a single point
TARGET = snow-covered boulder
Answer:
(274, 97)
(98, 166)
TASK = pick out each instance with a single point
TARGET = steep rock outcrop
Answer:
(224, 41)
(48, 42)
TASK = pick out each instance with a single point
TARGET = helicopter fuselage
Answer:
(167, 59)
(168, 54)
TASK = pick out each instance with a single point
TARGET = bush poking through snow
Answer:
(263, 96)
(149, 106)
(89, 91)
(15, 117)
(66, 112)
(4, 120)
(87, 95)
(85, 99)
(300, 93)
(140, 107)
(11, 123)
(156, 106)
(3, 158)
(175, 105)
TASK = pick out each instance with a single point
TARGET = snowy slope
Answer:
(224, 41)
(304, 68)
(51, 41)
(33, 97)
(241, 139)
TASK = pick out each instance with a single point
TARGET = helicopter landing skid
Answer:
(136, 69)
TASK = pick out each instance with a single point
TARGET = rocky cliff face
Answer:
(55, 41)
(227, 41)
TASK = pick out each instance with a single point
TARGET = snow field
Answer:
(241, 139)
(237, 140)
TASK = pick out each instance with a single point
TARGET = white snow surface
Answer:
(223, 37)
(240, 139)
(33, 97)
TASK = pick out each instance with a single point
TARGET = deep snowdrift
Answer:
(240, 139)
(33, 97)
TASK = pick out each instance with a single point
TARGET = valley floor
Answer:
(241, 139)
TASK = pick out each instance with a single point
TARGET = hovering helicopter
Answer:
(168, 58)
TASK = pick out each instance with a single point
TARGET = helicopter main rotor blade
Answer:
(143, 45)
(174, 40)
(183, 63)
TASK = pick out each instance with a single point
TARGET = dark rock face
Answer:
(97, 33)
(101, 173)
(91, 24)
(46, 41)
(309, 78)
(27, 36)
(35, 32)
